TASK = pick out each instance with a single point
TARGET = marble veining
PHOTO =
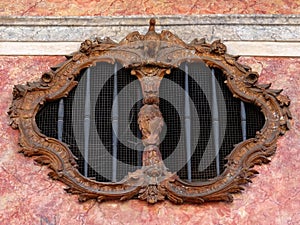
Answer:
(28, 196)
(149, 7)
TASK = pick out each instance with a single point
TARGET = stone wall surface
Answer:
(243, 34)
(226, 27)
(28, 196)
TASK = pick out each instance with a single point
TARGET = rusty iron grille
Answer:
(91, 159)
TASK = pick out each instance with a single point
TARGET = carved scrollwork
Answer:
(150, 57)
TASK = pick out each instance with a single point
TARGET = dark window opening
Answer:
(201, 98)
(99, 115)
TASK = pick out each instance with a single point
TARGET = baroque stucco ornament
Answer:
(150, 57)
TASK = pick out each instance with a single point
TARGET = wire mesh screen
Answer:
(255, 119)
(205, 158)
(174, 145)
(129, 144)
(101, 132)
(171, 107)
(47, 117)
(99, 161)
(94, 147)
(233, 129)
(68, 136)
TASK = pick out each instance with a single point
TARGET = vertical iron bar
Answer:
(115, 126)
(87, 114)
(243, 121)
(215, 119)
(187, 122)
(139, 134)
(60, 121)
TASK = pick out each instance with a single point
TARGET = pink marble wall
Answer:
(28, 196)
(142, 7)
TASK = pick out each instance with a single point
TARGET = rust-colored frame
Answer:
(150, 57)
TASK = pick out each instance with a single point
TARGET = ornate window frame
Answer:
(150, 57)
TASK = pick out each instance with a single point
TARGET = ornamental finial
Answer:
(152, 24)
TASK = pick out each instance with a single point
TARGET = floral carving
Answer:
(86, 47)
(152, 193)
(218, 47)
